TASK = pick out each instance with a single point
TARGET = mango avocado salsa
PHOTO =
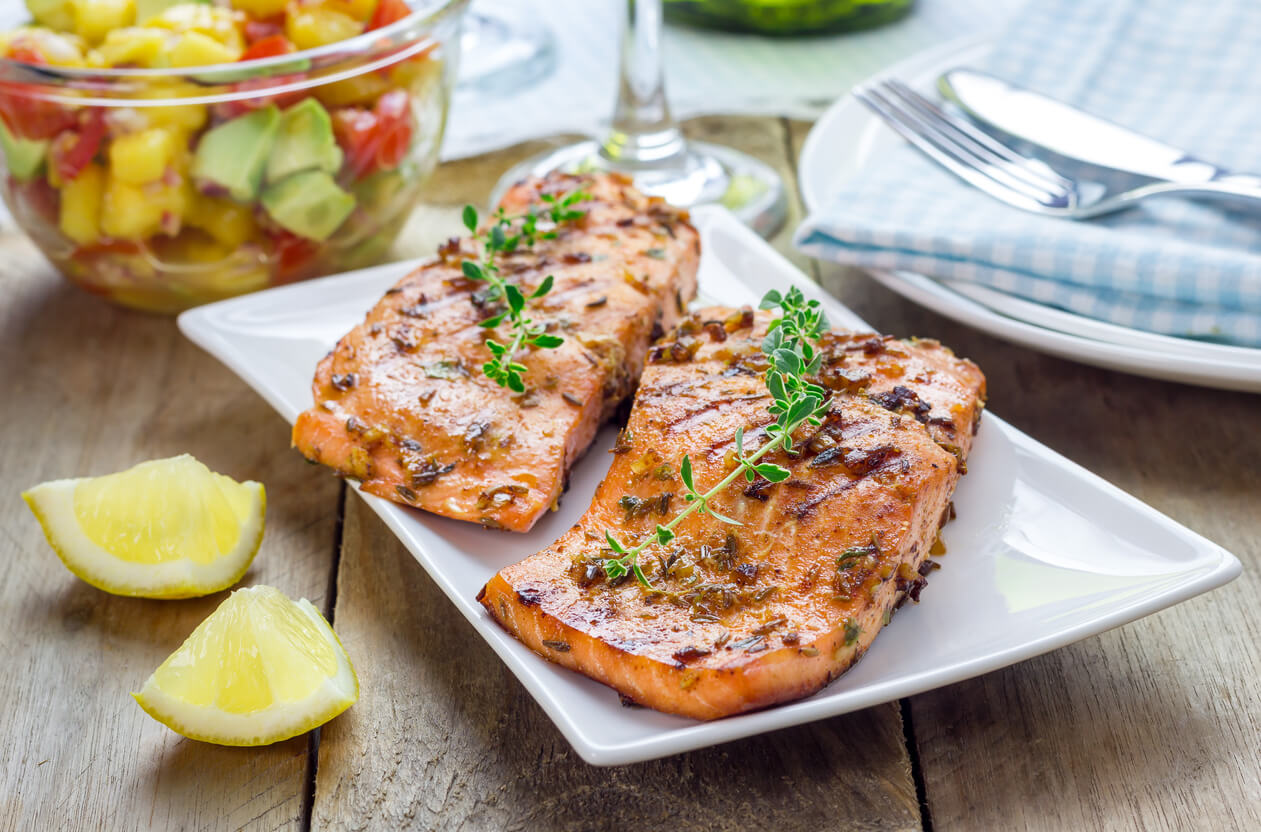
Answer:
(164, 204)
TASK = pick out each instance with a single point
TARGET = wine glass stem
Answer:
(642, 132)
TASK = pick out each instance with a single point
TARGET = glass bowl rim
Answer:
(388, 44)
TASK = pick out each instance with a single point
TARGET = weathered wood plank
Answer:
(444, 736)
(93, 389)
(1156, 725)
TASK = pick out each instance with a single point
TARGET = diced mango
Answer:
(415, 73)
(188, 117)
(55, 14)
(129, 212)
(137, 211)
(134, 46)
(358, 89)
(94, 19)
(261, 8)
(223, 25)
(137, 158)
(196, 49)
(358, 9)
(230, 223)
(80, 218)
(312, 26)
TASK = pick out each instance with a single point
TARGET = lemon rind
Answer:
(52, 503)
(274, 723)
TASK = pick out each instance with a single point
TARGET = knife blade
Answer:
(1063, 129)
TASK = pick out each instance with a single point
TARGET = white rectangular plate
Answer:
(1043, 552)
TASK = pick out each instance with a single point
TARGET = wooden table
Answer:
(1156, 725)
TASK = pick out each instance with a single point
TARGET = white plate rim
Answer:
(1218, 567)
(847, 124)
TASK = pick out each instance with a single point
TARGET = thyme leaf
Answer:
(504, 235)
(795, 401)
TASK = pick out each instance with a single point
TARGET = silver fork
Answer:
(982, 161)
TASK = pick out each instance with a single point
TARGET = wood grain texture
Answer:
(93, 389)
(1155, 725)
(444, 737)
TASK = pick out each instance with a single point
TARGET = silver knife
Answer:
(1053, 125)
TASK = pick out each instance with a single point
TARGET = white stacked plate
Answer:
(849, 137)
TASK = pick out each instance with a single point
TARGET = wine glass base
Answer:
(706, 174)
(503, 50)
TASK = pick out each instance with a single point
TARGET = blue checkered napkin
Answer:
(1186, 73)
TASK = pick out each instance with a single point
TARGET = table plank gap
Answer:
(330, 611)
(917, 772)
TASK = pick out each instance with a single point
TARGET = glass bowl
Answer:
(787, 17)
(162, 189)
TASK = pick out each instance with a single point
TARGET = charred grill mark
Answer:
(716, 405)
(806, 508)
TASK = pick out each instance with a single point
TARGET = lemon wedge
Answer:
(260, 669)
(170, 528)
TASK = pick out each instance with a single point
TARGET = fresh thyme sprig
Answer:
(796, 401)
(503, 236)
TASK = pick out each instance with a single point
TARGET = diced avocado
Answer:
(234, 154)
(304, 141)
(308, 203)
(146, 9)
(23, 157)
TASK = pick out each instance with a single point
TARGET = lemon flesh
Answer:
(170, 528)
(260, 669)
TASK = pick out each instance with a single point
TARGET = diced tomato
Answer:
(232, 109)
(393, 149)
(23, 111)
(387, 12)
(294, 255)
(393, 106)
(256, 30)
(26, 53)
(355, 129)
(265, 47)
(268, 47)
(74, 149)
(394, 123)
(375, 139)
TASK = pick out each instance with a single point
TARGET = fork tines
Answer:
(966, 151)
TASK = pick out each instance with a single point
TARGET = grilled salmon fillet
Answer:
(402, 404)
(742, 617)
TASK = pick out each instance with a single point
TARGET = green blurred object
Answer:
(787, 17)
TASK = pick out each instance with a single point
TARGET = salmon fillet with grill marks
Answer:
(402, 404)
(772, 610)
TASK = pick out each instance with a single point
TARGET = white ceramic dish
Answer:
(1043, 552)
(849, 136)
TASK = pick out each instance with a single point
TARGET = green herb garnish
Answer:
(504, 236)
(795, 401)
